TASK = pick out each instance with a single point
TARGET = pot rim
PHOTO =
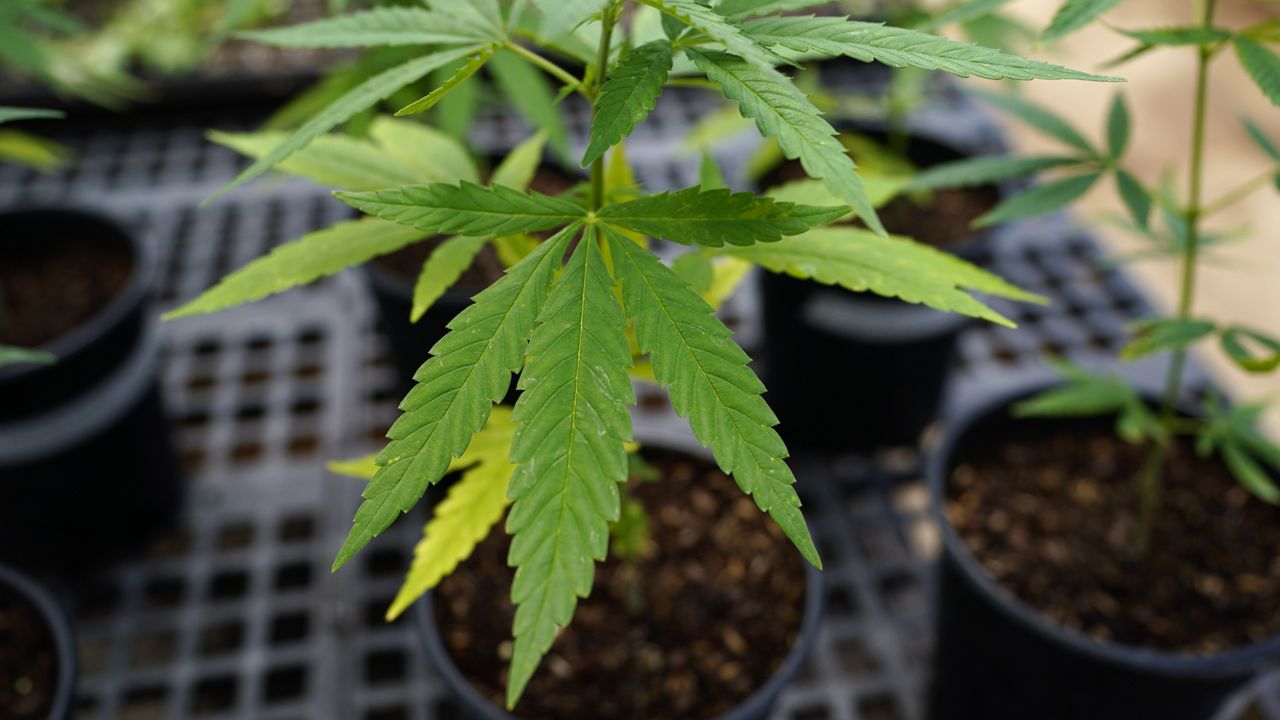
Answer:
(754, 706)
(937, 474)
(59, 630)
(137, 286)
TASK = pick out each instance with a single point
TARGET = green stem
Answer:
(1150, 483)
(1240, 192)
(607, 18)
(555, 70)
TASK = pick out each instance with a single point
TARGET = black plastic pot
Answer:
(758, 706)
(884, 363)
(86, 463)
(59, 628)
(996, 657)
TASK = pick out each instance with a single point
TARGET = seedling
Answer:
(572, 328)
(1178, 229)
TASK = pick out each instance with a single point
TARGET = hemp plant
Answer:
(1178, 229)
(571, 328)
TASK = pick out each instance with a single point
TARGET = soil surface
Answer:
(722, 593)
(28, 660)
(406, 263)
(50, 286)
(1049, 518)
(942, 221)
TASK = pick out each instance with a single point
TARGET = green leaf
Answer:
(738, 9)
(315, 255)
(1251, 350)
(985, 169)
(1075, 14)
(570, 453)
(693, 354)
(1261, 139)
(473, 506)
(1262, 64)
(1135, 197)
(781, 112)
(332, 160)
(1038, 117)
(470, 370)
(715, 217)
(1176, 36)
(1249, 473)
(520, 165)
(964, 12)
(1085, 395)
(628, 95)
(434, 155)
(466, 209)
(1160, 334)
(1118, 127)
(10, 355)
(1041, 199)
(858, 260)
(696, 269)
(900, 48)
(363, 96)
(710, 176)
(442, 270)
(464, 73)
(377, 27)
(718, 28)
(9, 113)
(526, 87)
(880, 190)
(456, 114)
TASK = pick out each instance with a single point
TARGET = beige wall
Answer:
(1245, 285)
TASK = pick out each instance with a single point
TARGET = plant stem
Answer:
(607, 18)
(1149, 489)
(555, 70)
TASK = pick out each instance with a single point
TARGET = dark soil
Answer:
(28, 660)
(406, 263)
(50, 286)
(723, 596)
(1049, 518)
(942, 221)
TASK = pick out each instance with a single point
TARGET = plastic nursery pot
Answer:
(86, 464)
(37, 654)
(391, 279)
(998, 657)
(886, 362)
(473, 704)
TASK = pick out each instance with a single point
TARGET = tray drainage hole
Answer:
(285, 683)
(311, 336)
(229, 585)
(165, 592)
(246, 451)
(382, 563)
(192, 460)
(375, 613)
(856, 658)
(153, 648)
(308, 371)
(398, 712)
(221, 638)
(251, 412)
(297, 528)
(878, 707)
(903, 595)
(98, 601)
(840, 602)
(303, 445)
(235, 535)
(292, 577)
(384, 666)
(145, 703)
(207, 348)
(214, 695)
(305, 407)
(256, 376)
(812, 712)
(290, 628)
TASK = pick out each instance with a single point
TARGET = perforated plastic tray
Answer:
(236, 614)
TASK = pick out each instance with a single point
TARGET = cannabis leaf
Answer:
(1233, 432)
(466, 208)
(1040, 199)
(10, 355)
(561, 16)
(570, 453)
(464, 73)
(782, 112)
(717, 27)
(737, 9)
(985, 169)
(1075, 14)
(473, 506)
(378, 27)
(334, 160)
(1262, 64)
(315, 255)
(470, 370)
(899, 47)
(1174, 36)
(628, 95)
(693, 353)
(433, 154)
(715, 217)
(532, 96)
(363, 96)
(1157, 334)
(858, 260)
(1088, 394)
(1038, 117)
(9, 113)
(1118, 127)
(442, 270)
(1251, 350)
